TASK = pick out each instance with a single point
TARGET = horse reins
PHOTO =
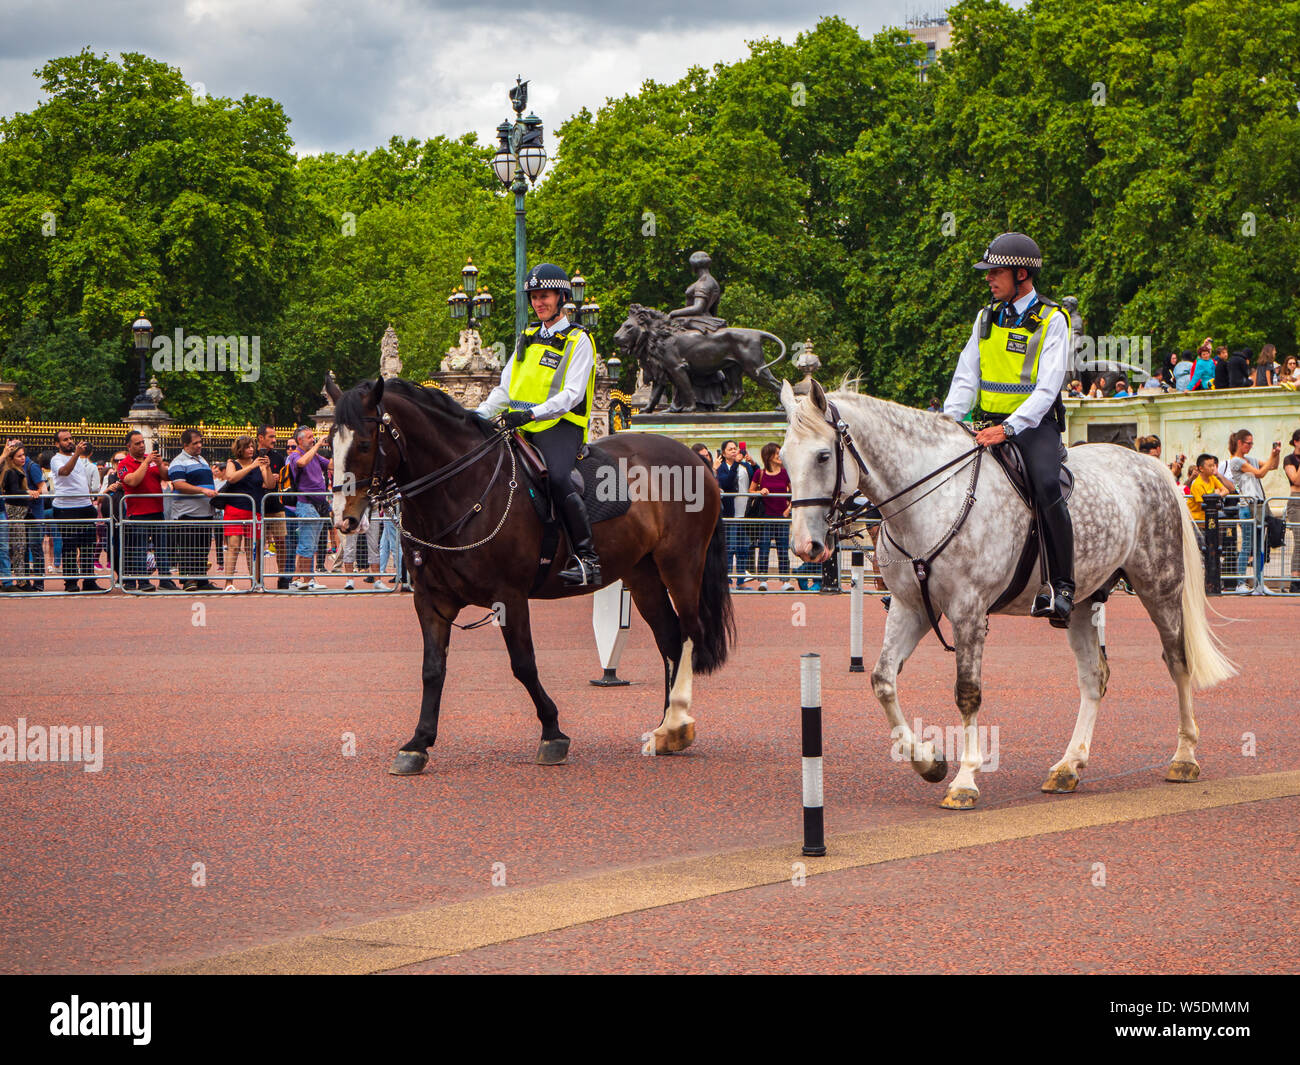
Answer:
(384, 487)
(839, 517)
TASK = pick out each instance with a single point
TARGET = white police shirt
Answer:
(1052, 366)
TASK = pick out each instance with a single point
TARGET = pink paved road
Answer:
(224, 746)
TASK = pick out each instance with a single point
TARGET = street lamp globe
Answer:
(532, 155)
(469, 277)
(590, 315)
(458, 303)
(579, 286)
(142, 331)
(483, 304)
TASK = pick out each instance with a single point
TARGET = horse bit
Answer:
(839, 517)
(385, 491)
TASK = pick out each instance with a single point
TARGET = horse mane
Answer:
(437, 404)
(903, 419)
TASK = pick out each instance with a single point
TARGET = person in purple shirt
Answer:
(310, 472)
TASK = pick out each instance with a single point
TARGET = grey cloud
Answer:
(350, 77)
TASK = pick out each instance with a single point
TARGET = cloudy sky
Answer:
(352, 74)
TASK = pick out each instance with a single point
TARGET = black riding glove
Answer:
(515, 418)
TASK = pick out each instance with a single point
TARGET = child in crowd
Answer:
(1207, 481)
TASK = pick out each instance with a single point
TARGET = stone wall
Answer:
(1196, 422)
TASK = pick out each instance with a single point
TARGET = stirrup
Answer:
(1054, 604)
(582, 572)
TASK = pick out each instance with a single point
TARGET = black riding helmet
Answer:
(1012, 249)
(548, 276)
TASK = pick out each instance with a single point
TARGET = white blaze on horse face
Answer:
(810, 478)
(343, 439)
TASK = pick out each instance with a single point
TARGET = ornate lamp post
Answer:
(142, 332)
(469, 301)
(520, 153)
(585, 314)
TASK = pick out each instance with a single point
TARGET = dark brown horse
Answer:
(470, 536)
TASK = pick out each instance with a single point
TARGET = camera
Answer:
(262, 452)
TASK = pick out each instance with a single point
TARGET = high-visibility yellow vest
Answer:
(539, 375)
(1009, 356)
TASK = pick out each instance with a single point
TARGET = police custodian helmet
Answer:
(548, 276)
(1011, 249)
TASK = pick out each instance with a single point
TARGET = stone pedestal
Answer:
(150, 421)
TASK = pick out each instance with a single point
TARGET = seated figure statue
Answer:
(701, 310)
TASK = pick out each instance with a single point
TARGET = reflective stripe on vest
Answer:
(1009, 362)
(540, 374)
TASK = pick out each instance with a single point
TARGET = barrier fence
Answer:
(307, 535)
(73, 538)
(299, 551)
(239, 547)
(1240, 557)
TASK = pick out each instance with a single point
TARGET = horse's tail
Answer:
(773, 336)
(717, 622)
(1206, 662)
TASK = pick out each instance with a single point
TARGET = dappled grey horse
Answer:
(1130, 519)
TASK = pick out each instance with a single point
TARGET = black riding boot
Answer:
(586, 567)
(1058, 534)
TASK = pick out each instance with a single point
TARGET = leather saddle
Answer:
(1011, 462)
(585, 478)
(1008, 457)
(535, 463)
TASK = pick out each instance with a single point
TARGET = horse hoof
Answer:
(409, 763)
(936, 772)
(553, 752)
(960, 799)
(1183, 772)
(1061, 781)
(675, 739)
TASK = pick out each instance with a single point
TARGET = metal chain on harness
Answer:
(514, 483)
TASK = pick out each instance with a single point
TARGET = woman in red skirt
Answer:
(246, 475)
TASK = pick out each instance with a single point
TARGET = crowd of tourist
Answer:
(1209, 368)
(190, 520)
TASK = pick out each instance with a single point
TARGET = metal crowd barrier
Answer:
(1282, 568)
(381, 545)
(22, 554)
(759, 558)
(179, 552)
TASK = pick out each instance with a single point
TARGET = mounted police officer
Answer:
(1015, 361)
(548, 386)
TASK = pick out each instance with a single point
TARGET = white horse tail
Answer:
(1206, 662)
(772, 336)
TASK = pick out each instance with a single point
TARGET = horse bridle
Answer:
(839, 517)
(384, 489)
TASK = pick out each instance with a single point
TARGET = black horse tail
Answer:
(717, 622)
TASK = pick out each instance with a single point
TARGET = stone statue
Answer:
(700, 312)
(390, 363)
(469, 356)
(693, 351)
(705, 370)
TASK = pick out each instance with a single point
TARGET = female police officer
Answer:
(548, 386)
(1015, 360)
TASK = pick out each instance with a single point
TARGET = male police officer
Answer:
(548, 386)
(1016, 361)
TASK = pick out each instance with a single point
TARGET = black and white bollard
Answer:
(810, 692)
(855, 612)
